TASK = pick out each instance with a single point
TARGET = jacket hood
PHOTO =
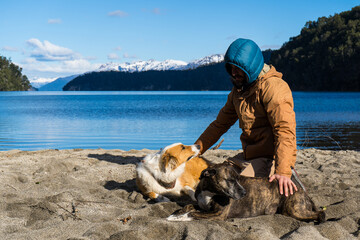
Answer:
(246, 55)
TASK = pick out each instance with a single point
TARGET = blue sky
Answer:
(50, 39)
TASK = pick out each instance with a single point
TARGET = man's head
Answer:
(237, 76)
(243, 58)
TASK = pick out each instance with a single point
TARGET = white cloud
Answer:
(118, 48)
(90, 58)
(126, 55)
(54, 21)
(46, 51)
(79, 65)
(156, 11)
(112, 56)
(10, 49)
(42, 80)
(69, 66)
(118, 13)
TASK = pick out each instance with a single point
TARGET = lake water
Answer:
(137, 120)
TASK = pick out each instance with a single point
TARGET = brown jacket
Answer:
(266, 117)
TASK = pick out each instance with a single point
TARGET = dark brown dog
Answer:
(222, 193)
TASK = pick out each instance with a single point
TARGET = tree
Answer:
(11, 78)
(325, 56)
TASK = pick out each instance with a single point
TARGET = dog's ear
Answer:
(207, 173)
(164, 161)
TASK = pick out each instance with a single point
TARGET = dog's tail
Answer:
(321, 216)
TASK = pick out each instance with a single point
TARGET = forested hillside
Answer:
(325, 56)
(11, 78)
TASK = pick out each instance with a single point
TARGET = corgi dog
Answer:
(173, 171)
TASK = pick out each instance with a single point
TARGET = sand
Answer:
(91, 194)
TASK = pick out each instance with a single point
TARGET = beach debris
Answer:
(73, 211)
(11, 187)
(217, 146)
(124, 220)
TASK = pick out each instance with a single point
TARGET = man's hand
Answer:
(199, 142)
(285, 184)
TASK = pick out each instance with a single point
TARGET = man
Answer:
(263, 104)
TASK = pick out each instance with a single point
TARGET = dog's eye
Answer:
(183, 147)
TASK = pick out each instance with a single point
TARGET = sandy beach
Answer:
(91, 194)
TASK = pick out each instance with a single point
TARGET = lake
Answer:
(137, 120)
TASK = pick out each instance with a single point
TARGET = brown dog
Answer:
(222, 193)
(172, 172)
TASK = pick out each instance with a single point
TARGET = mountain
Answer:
(38, 82)
(203, 78)
(325, 56)
(215, 58)
(141, 66)
(58, 84)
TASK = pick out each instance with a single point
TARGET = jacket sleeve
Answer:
(278, 102)
(224, 120)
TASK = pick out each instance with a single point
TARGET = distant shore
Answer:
(91, 194)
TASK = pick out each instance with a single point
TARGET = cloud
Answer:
(118, 48)
(69, 66)
(126, 55)
(112, 56)
(9, 49)
(48, 57)
(54, 21)
(90, 58)
(118, 13)
(155, 11)
(46, 51)
(42, 80)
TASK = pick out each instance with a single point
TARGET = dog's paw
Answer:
(190, 192)
(180, 218)
(161, 198)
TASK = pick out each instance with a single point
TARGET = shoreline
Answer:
(91, 194)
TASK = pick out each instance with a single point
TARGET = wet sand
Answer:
(91, 194)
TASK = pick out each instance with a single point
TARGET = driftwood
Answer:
(217, 146)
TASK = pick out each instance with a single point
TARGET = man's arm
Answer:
(278, 103)
(226, 118)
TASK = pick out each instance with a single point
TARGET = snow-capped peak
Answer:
(152, 64)
(108, 67)
(141, 66)
(215, 58)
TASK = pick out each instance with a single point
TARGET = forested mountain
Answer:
(325, 56)
(11, 78)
